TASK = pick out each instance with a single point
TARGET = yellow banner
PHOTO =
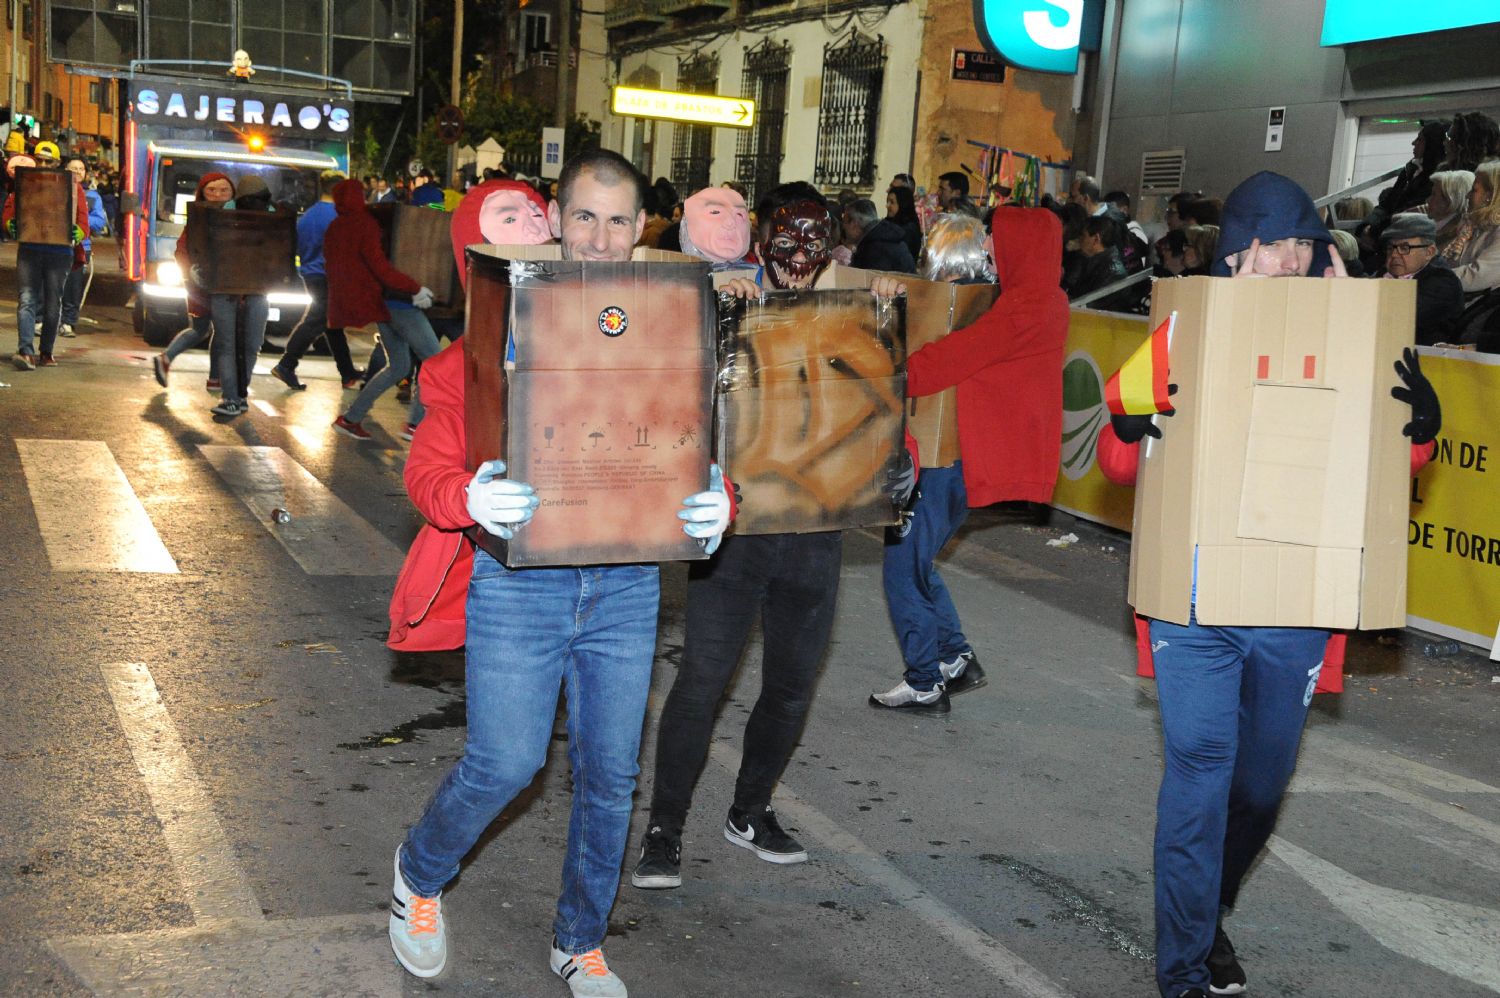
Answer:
(1098, 343)
(670, 105)
(1453, 574)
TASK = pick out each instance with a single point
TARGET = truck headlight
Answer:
(169, 273)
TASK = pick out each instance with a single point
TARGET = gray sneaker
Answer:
(587, 974)
(928, 703)
(962, 674)
(23, 361)
(417, 930)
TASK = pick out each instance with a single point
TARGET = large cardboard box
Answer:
(594, 382)
(1284, 473)
(812, 387)
(46, 206)
(242, 252)
(417, 242)
(933, 310)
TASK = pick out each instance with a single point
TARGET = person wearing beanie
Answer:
(1410, 244)
(215, 189)
(239, 320)
(1234, 699)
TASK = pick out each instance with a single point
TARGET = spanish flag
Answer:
(1139, 387)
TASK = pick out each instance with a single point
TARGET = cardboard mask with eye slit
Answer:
(716, 226)
(798, 245)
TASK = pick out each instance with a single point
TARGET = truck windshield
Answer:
(179, 182)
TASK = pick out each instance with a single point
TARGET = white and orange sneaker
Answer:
(418, 933)
(587, 974)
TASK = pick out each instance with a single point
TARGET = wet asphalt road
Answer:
(207, 770)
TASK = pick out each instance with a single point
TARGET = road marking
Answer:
(324, 535)
(205, 863)
(1453, 937)
(266, 407)
(90, 517)
(878, 871)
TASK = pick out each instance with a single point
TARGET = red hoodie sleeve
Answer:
(1421, 454)
(389, 277)
(436, 473)
(996, 336)
(9, 211)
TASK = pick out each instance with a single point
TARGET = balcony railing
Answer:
(694, 6)
(634, 14)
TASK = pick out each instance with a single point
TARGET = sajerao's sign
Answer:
(189, 106)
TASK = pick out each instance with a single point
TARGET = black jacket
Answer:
(884, 248)
(1440, 304)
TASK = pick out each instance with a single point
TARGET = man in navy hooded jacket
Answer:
(1234, 700)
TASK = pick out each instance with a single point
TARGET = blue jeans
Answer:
(592, 632)
(235, 371)
(407, 332)
(922, 613)
(73, 288)
(40, 275)
(1233, 704)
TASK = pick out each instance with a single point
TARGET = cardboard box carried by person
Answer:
(594, 383)
(810, 408)
(1283, 476)
(933, 310)
(416, 240)
(242, 252)
(46, 206)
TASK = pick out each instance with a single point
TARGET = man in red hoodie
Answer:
(363, 288)
(590, 630)
(1008, 370)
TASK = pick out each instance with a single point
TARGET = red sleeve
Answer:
(1421, 454)
(1001, 334)
(911, 448)
(1118, 460)
(436, 473)
(9, 211)
(734, 506)
(83, 210)
(389, 277)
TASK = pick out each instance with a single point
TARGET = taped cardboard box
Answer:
(242, 252)
(933, 310)
(417, 242)
(46, 206)
(1283, 474)
(810, 408)
(594, 382)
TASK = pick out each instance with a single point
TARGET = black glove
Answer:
(1417, 392)
(1130, 429)
(901, 482)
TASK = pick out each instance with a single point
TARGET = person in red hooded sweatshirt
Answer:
(215, 189)
(1007, 367)
(363, 287)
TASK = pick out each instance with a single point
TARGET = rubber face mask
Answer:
(798, 247)
(716, 225)
(510, 218)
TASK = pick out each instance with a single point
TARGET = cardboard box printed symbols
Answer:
(593, 381)
(1284, 474)
(46, 206)
(242, 252)
(811, 396)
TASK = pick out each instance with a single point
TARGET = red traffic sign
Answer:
(450, 124)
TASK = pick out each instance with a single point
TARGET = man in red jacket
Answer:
(588, 629)
(363, 288)
(1008, 370)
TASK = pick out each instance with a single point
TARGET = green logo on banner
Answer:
(1084, 414)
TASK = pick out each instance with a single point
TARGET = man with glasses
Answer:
(1411, 254)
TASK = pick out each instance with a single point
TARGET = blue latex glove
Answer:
(499, 505)
(707, 513)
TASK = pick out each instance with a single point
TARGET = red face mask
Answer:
(798, 247)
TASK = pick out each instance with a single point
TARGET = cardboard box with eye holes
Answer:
(1284, 471)
(46, 206)
(933, 310)
(810, 408)
(594, 383)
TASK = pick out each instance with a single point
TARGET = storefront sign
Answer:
(669, 105)
(977, 67)
(1453, 569)
(1346, 21)
(242, 108)
(1044, 35)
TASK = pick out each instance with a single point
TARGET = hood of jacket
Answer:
(1270, 207)
(1028, 252)
(464, 228)
(349, 197)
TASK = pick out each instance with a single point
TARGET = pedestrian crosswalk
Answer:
(92, 520)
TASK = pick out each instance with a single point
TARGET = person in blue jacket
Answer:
(310, 229)
(80, 278)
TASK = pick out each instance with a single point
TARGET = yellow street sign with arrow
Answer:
(670, 105)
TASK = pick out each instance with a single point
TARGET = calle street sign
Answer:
(670, 105)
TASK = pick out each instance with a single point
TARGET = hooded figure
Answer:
(359, 275)
(502, 212)
(1268, 207)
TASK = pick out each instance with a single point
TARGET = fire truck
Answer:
(174, 130)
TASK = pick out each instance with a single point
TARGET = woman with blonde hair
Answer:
(1199, 242)
(1445, 206)
(1478, 266)
(955, 251)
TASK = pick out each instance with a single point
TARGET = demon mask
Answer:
(797, 248)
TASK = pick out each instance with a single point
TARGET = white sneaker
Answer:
(903, 697)
(418, 933)
(66, 330)
(587, 974)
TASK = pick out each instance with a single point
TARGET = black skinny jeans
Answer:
(792, 582)
(314, 324)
